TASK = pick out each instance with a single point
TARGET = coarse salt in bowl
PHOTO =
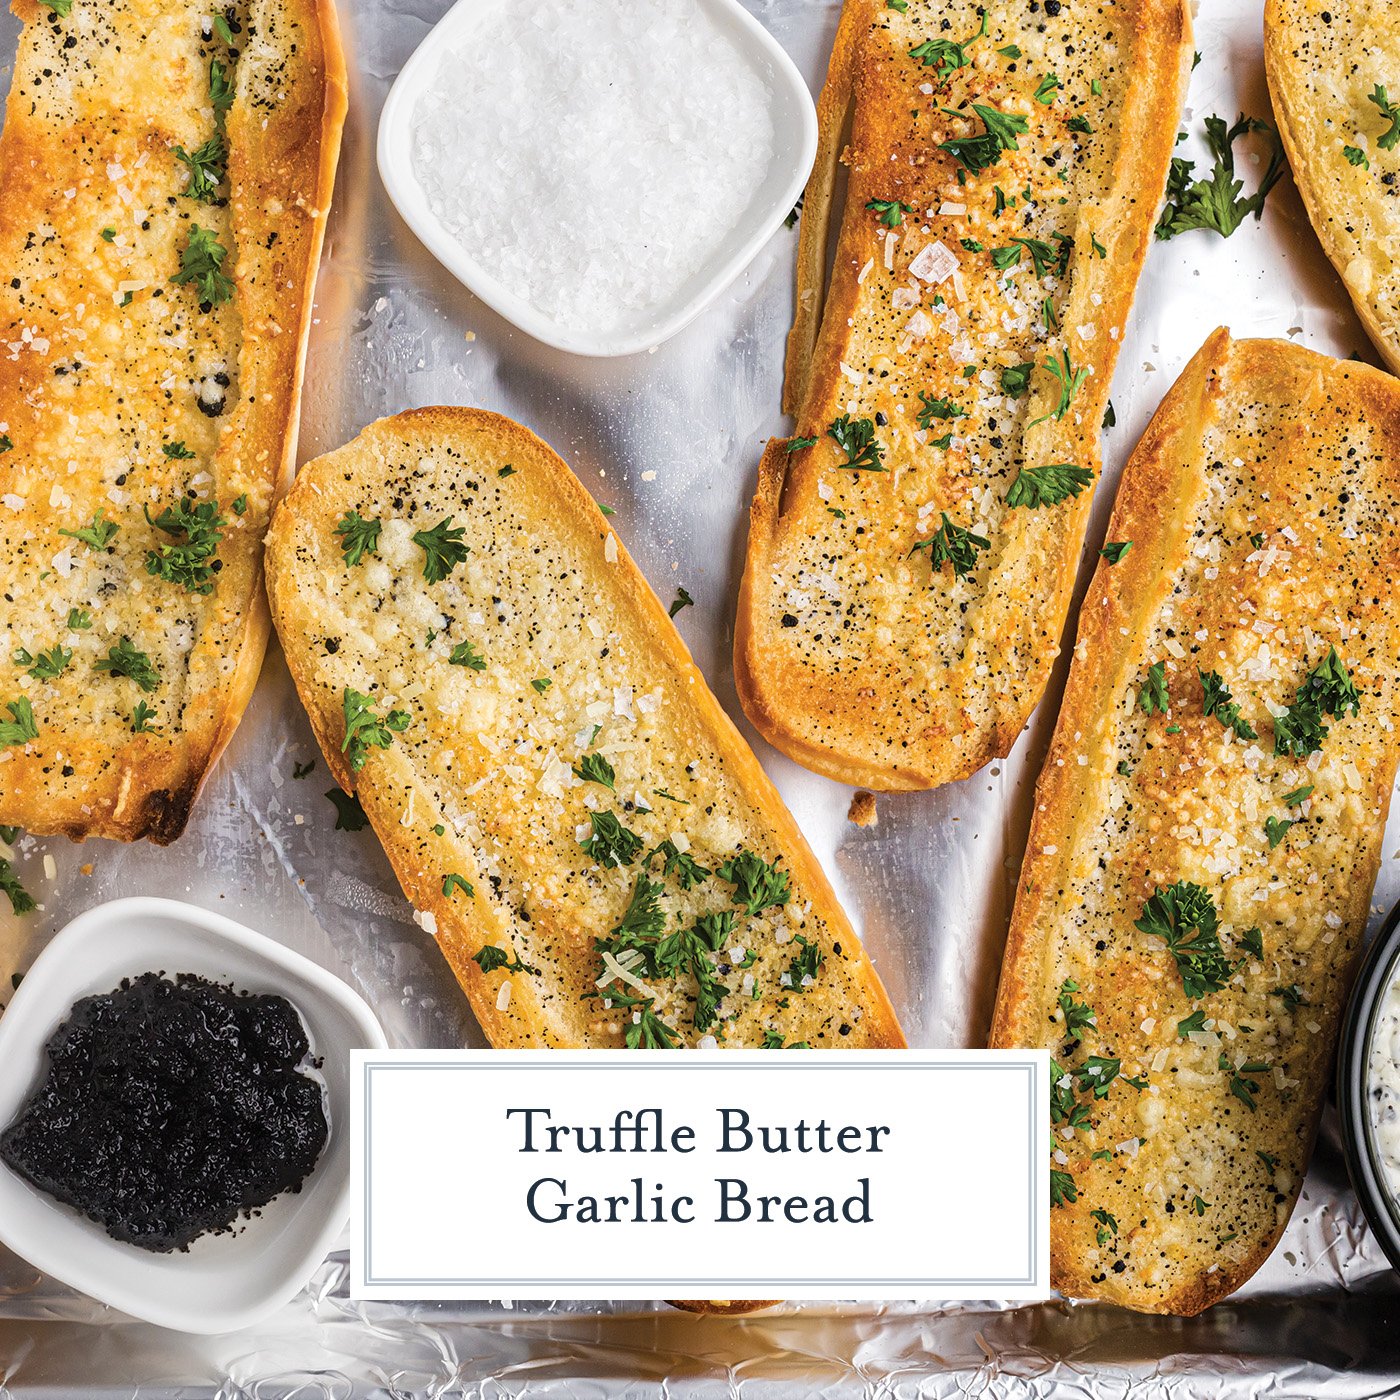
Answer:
(597, 173)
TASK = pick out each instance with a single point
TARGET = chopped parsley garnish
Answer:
(6, 443)
(1194, 1024)
(79, 619)
(1048, 485)
(1270, 1162)
(1062, 1188)
(1079, 1016)
(1217, 701)
(61, 8)
(21, 901)
(1252, 941)
(1199, 1206)
(542, 684)
(1390, 138)
(1107, 1225)
(942, 410)
(945, 56)
(358, 536)
(952, 544)
(1244, 1089)
(679, 863)
(1326, 690)
(773, 1040)
(505, 471)
(98, 535)
(594, 768)
(688, 950)
(191, 563)
(1298, 796)
(364, 730)
(220, 89)
(798, 443)
(1354, 155)
(207, 165)
(891, 211)
(610, 843)
(349, 815)
(443, 549)
(465, 654)
(493, 959)
(1184, 916)
(1114, 550)
(1081, 125)
(109, 233)
(647, 1031)
(1215, 203)
(757, 885)
(805, 965)
(978, 153)
(1291, 996)
(239, 504)
(48, 664)
(453, 881)
(20, 727)
(202, 262)
(124, 660)
(1045, 89)
(1275, 830)
(1016, 379)
(1153, 696)
(856, 438)
(1047, 259)
(682, 600)
(176, 451)
(1069, 379)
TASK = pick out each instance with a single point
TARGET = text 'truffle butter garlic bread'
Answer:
(565, 803)
(1334, 77)
(912, 549)
(165, 172)
(1208, 824)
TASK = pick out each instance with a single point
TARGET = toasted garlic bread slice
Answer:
(1208, 824)
(912, 549)
(165, 172)
(600, 855)
(1334, 77)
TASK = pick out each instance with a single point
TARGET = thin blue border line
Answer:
(371, 1280)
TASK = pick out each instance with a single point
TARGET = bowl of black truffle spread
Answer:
(174, 1114)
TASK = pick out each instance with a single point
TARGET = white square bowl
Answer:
(222, 1282)
(794, 149)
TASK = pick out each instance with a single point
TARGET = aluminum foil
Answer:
(671, 440)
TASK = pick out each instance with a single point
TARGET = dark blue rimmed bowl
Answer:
(1378, 970)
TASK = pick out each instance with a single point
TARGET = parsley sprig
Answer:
(757, 885)
(981, 152)
(365, 730)
(20, 727)
(856, 438)
(1070, 381)
(946, 56)
(1217, 701)
(1215, 203)
(358, 536)
(202, 263)
(443, 548)
(1184, 915)
(1048, 485)
(125, 660)
(208, 166)
(192, 561)
(1326, 690)
(1390, 138)
(952, 544)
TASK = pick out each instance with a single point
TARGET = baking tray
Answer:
(671, 441)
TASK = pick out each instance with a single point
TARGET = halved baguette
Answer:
(122, 390)
(572, 701)
(1261, 506)
(1324, 62)
(853, 653)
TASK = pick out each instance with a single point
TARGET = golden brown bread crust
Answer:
(483, 782)
(1261, 507)
(1323, 61)
(106, 363)
(852, 655)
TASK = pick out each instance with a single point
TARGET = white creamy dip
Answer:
(591, 155)
(1383, 1086)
